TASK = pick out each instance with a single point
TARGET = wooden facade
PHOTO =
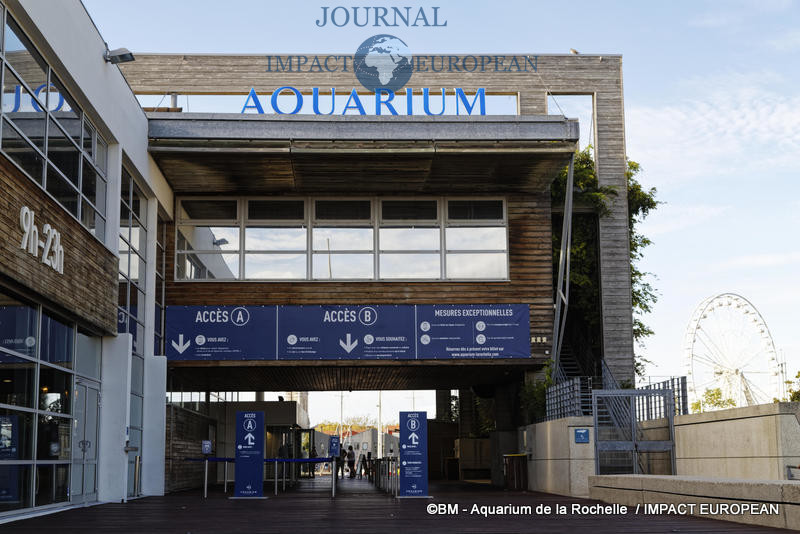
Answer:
(87, 290)
(529, 213)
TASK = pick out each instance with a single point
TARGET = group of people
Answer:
(348, 457)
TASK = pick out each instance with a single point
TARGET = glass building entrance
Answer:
(49, 406)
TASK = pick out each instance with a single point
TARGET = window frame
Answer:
(376, 222)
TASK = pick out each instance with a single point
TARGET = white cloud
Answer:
(727, 124)
(786, 42)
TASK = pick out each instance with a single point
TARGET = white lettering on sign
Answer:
(53, 251)
(211, 316)
(339, 316)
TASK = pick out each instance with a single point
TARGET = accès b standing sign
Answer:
(413, 454)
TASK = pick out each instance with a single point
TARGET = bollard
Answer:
(283, 471)
(333, 479)
(205, 479)
(226, 477)
(275, 476)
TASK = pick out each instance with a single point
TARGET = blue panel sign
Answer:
(413, 454)
(220, 332)
(333, 447)
(346, 332)
(10, 476)
(473, 331)
(249, 454)
(379, 332)
(581, 435)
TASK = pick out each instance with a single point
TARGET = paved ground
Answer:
(357, 508)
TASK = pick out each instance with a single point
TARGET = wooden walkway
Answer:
(357, 508)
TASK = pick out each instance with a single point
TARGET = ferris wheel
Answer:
(728, 346)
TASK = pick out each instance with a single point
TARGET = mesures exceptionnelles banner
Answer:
(368, 332)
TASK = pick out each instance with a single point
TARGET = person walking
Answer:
(342, 461)
(351, 461)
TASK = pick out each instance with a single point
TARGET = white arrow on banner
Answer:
(414, 438)
(348, 346)
(180, 346)
(250, 439)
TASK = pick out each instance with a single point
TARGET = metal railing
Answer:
(386, 475)
(676, 384)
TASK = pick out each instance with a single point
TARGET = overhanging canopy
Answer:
(263, 154)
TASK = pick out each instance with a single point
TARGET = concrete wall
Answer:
(755, 442)
(556, 464)
(707, 497)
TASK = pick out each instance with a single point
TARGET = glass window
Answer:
(88, 139)
(92, 220)
(53, 438)
(406, 210)
(409, 238)
(276, 210)
(57, 341)
(209, 210)
(17, 377)
(343, 266)
(53, 484)
(22, 153)
(473, 210)
(87, 355)
(16, 435)
(93, 186)
(24, 58)
(137, 374)
(62, 152)
(138, 237)
(342, 239)
(101, 158)
(271, 238)
(210, 238)
(17, 325)
(347, 210)
(65, 110)
(138, 206)
(477, 266)
(18, 481)
(23, 109)
(64, 192)
(275, 266)
(476, 238)
(207, 266)
(136, 410)
(410, 266)
(54, 388)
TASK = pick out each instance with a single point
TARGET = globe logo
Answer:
(383, 62)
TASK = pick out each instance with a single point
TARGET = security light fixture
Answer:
(119, 55)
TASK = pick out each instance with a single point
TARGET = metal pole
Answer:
(333, 479)
(225, 490)
(205, 478)
(137, 474)
(275, 473)
(283, 471)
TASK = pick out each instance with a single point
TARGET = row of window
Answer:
(341, 239)
(42, 358)
(47, 135)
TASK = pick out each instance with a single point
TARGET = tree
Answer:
(584, 269)
(712, 400)
(794, 394)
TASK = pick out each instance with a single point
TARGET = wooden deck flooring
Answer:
(357, 508)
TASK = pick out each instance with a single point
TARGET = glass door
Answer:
(84, 438)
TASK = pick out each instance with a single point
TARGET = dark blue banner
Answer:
(464, 331)
(379, 332)
(249, 468)
(413, 454)
(220, 332)
(346, 332)
(333, 446)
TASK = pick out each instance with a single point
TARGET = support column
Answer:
(443, 406)
(112, 463)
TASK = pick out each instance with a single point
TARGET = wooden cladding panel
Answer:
(87, 291)
(530, 260)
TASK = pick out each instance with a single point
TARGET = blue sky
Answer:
(712, 114)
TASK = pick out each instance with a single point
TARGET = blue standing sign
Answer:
(249, 454)
(333, 446)
(413, 454)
